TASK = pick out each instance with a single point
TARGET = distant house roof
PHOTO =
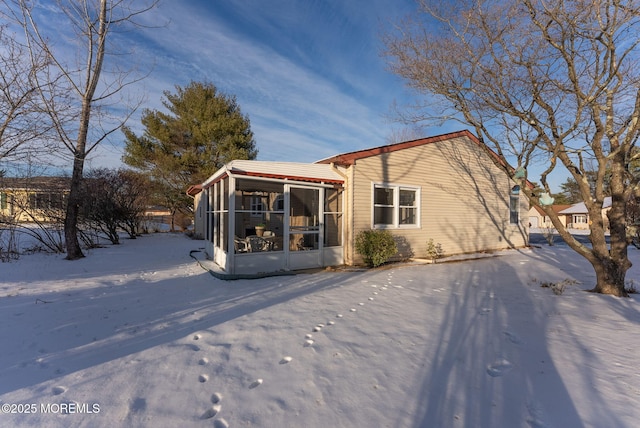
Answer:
(581, 208)
(318, 173)
(35, 183)
(556, 208)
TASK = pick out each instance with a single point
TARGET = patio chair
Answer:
(241, 245)
(256, 243)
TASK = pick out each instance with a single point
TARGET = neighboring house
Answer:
(539, 219)
(34, 199)
(195, 192)
(444, 188)
(578, 216)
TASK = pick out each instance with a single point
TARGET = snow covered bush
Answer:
(375, 246)
(434, 250)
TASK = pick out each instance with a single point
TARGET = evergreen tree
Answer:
(202, 130)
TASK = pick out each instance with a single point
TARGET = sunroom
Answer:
(265, 217)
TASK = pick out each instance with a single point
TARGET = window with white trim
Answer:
(514, 205)
(256, 206)
(580, 218)
(395, 206)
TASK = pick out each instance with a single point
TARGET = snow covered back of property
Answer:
(140, 335)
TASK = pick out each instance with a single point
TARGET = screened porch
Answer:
(261, 220)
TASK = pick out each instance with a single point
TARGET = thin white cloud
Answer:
(308, 75)
(274, 91)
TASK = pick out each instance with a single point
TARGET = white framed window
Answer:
(256, 206)
(514, 205)
(395, 206)
(580, 218)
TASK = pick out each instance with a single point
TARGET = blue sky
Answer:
(309, 74)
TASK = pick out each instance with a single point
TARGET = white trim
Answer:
(396, 205)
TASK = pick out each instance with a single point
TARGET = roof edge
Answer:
(349, 158)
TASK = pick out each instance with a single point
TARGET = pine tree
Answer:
(202, 130)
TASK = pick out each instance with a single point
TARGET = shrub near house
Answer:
(375, 246)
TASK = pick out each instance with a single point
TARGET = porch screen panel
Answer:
(259, 205)
(333, 218)
(304, 221)
(224, 214)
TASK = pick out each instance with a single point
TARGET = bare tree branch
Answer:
(539, 81)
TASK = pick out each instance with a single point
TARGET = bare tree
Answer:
(115, 200)
(79, 92)
(22, 118)
(549, 84)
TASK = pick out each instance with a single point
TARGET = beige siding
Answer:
(464, 198)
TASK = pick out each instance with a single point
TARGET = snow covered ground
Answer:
(140, 335)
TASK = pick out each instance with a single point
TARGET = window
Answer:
(3, 201)
(395, 206)
(514, 205)
(257, 207)
(44, 201)
(580, 218)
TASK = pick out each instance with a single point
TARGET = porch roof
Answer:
(294, 171)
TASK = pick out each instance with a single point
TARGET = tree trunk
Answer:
(612, 260)
(74, 251)
(610, 276)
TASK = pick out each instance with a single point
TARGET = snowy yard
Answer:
(140, 335)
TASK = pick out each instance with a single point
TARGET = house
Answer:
(33, 199)
(539, 219)
(444, 188)
(579, 216)
(195, 191)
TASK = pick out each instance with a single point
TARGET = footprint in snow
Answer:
(256, 383)
(536, 417)
(353, 309)
(286, 360)
(308, 336)
(197, 337)
(216, 397)
(308, 343)
(57, 390)
(513, 338)
(220, 423)
(203, 378)
(211, 411)
(499, 368)
(203, 361)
